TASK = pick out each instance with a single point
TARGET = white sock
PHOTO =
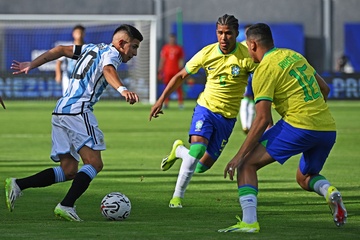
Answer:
(181, 151)
(248, 204)
(250, 114)
(243, 112)
(187, 169)
(321, 187)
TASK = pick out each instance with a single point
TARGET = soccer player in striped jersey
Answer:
(227, 65)
(286, 80)
(75, 131)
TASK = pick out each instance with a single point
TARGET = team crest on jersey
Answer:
(198, 125)
(235, 70)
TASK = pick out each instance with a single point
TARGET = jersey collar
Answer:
(236, 46)
(270, 51)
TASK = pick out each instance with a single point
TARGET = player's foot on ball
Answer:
(175, 202)
(67, 213)
(242, 227)
(169, 160)
(336, 206)
(12, 192)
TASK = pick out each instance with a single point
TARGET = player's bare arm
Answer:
(262, 120)
(113, 79)
(58, 71)
(174, 83)
(52, 54)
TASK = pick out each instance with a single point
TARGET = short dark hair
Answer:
(229, 20)
(247, 25)
(261, 33)
(79, 26)
(130, 30)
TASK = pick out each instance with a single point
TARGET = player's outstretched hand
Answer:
(130, 97)
(156, 110)
(20, 67)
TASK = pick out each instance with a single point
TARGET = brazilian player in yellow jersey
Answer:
(286, 80)
(227, 74)
(227, 65)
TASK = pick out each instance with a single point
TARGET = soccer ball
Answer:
(115, 206)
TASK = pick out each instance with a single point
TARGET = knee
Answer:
(302, 180)
(302, 183)
(95, 162)
(197, 150)
(99, 167)
(70, 173)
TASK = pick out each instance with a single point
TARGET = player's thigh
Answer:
(61, 141)
(213, 127)
(313, 159)
(83, 130)
(257, 158)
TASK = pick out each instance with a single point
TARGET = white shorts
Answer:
(71, 132)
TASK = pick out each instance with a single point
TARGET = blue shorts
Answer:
(249, 89)
(212, 126)
(283, 141)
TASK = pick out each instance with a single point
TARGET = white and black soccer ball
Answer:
(115, 206)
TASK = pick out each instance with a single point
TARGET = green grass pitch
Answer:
(135, 148)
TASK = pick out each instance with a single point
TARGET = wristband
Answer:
(121, 89)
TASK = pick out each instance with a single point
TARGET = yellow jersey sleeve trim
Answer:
(189, 72)
(263, 98)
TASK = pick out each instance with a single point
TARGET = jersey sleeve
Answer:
(77, 50)
(248, 61)
(111, 58)
(263, 86)
(195, 63)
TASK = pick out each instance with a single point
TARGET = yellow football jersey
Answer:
(244, 43)
(226, 77)
(287, 79)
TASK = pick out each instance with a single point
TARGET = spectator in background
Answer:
(171, 62)
(343, 65)
(64, 66)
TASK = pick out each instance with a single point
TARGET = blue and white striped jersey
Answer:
(87, 82)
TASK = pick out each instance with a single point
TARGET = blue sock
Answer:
(59, 174)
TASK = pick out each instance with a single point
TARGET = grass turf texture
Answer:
(135, 148)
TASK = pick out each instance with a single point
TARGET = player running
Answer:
(227, 65)
(75, 131)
